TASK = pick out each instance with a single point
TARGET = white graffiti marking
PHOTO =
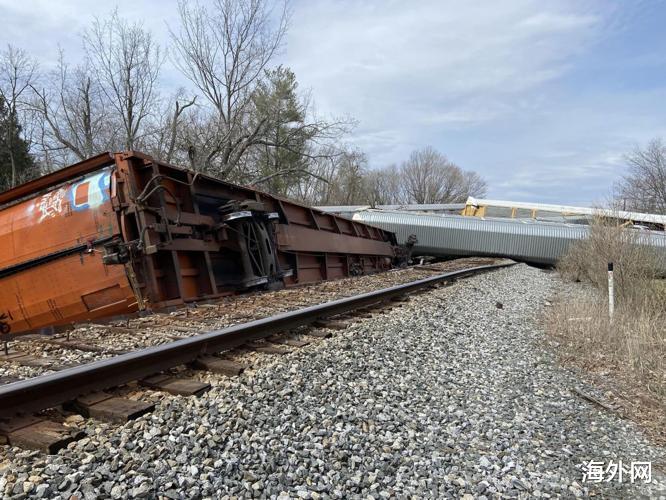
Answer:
(51, 204)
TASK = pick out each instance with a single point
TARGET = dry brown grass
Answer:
(636, 265)
(635, 341)
(630, 350)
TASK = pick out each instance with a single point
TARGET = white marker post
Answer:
(611, 293)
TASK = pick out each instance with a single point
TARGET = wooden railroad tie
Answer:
(78, 346)
(38, 434)
(7, 379)
(364, 314)
(178, 337)
(266, 348)
(174, 385)
(187, 329)
(111, 328)
(218, 365)
(331, 324)
(276, 339)
(25, 359)
(400, 299)
(322, 334)
(109, 408)
(381, 309)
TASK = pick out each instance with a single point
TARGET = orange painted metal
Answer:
(59, 176)
(51, 269)
(123, 232)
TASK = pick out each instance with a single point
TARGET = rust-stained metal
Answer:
(122, 232)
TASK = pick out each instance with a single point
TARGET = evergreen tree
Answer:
(16, 163)
(282, 151)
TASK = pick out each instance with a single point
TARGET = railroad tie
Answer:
(7, 379)
(112, 328)
(25, 359)
(287, 341)
(381, 309)
(15, 356)
(400, 298)
(322, 334)
(331, 324)
(38, 434)
(218, 365)
(109, 408)
(177, 337)
(174, 385)
(77, 346)
(187, 329)
(364, 314)
(266, 348)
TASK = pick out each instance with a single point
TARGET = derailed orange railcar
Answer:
(122, 232)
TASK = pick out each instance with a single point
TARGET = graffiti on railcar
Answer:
(91, 192)
(51, 204)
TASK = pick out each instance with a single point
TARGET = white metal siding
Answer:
(539, 242)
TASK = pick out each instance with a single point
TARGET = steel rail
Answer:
(46, 391)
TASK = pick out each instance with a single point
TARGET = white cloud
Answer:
(553, 22)
(424, 68)
(40, 26)
(480, 80)
(362, 54)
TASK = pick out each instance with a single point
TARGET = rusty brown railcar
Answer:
(123, 232)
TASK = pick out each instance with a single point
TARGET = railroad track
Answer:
(81, 388)
(35, 355)
(87, 342)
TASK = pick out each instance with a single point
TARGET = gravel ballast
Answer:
(455, 394)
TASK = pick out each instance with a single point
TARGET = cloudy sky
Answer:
(541, 98)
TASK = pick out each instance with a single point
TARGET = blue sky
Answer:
(542, 98)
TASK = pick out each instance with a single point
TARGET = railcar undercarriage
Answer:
(123, 232)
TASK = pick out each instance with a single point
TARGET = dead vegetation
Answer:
(626, 355)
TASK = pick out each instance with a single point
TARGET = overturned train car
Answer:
(122, 232)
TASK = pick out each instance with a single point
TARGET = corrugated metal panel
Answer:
(531, 241)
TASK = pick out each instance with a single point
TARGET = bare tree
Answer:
(349, 183)
(198, 139)
(643, 188)
(168, 128)
(314, 189)
(473, 185)
(17, 73)
(429, 177)
(224, 51)
(74, 115)
(385, 186)
(126, 62)
(335, 177)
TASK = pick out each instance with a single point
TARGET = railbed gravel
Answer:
(449, 395)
